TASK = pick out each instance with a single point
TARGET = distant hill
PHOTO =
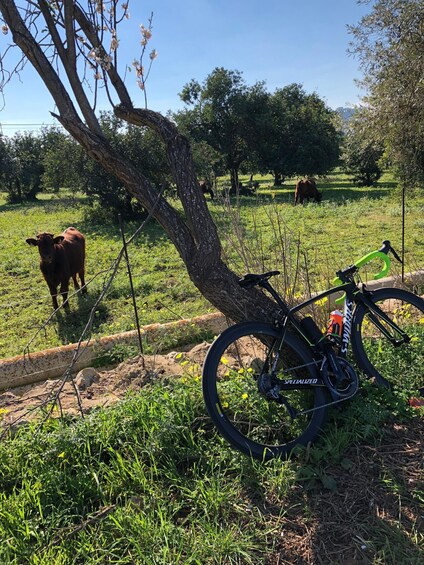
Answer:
(345, 113)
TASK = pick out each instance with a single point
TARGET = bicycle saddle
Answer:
(250, 280)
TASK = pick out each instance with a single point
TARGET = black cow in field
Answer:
(206, 188)
(61, 258)
(305, 190)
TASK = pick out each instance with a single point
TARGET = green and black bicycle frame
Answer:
(334, 372)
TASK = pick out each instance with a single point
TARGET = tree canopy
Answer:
(303, 137)
(289, 132)
(389, 42)
(362, 151)
(225, 113)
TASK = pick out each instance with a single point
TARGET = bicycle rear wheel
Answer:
(395, 357)
(238, 364)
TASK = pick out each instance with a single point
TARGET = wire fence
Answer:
(52, 399)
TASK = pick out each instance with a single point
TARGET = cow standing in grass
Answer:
(61, 258)
(305, 190)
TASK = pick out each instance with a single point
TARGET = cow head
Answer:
(45, 243)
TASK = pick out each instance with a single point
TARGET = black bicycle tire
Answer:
(358, 349)
(210, 394)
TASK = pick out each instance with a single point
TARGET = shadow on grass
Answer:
(364, 508)
(71, 326)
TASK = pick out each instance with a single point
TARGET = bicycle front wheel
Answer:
(393, 353)
(263, 392)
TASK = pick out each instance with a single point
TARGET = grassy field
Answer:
(149, 482)
(265, 231)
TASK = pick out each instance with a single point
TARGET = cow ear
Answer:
(32, 241)
(58, 239)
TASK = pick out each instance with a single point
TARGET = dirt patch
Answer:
(97, 387)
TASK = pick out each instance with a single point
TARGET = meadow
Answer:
(148, 481)
(263, 231)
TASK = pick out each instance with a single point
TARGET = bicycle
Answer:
(268, 387)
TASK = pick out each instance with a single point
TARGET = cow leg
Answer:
(82, 279)
(53, 293)
(64, 287)
(76, 285)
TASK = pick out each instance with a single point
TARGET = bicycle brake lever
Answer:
(396, 256)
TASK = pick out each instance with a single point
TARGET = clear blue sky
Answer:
(276, 41)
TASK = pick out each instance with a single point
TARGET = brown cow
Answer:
(306, 189)
(61, 258)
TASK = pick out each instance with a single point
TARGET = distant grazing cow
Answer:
(61, 258)
(206, 188)
(305, 190)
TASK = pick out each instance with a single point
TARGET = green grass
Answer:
(148, 481)
(350, 222)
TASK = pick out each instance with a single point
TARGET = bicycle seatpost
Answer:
(267, 286)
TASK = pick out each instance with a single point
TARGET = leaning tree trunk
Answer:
(194, 234)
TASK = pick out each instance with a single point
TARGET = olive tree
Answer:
(74, 48)
(226, 114)
(362, 150)
(389, 42)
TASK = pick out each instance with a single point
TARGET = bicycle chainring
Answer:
(342, 386)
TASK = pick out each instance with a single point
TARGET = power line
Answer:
(32, 125)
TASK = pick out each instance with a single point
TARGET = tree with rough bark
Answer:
(74, 47)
